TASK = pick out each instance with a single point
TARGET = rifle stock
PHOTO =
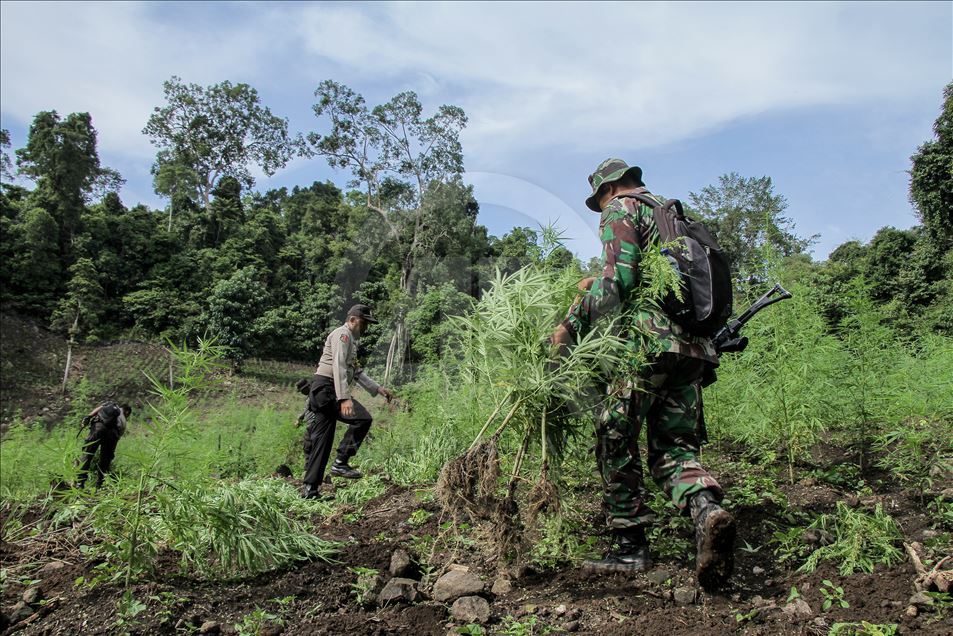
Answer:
(729, 338)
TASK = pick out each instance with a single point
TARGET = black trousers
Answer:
(324, 412)
(104, 439)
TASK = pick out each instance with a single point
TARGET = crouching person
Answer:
(107, 423)
(330, 401)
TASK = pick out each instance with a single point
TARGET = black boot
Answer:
(340, 468)
(715, 540)
(632, 554)
(313, 492)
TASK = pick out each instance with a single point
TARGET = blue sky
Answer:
(828, 99)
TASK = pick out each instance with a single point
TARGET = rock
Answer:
(920, 600)
(52, 566)
(399, 590)
(574, 613)
(798, 609)
(820, 622)
(31, 596)
(19, 612)
(400, 563)
(912, 612)
(455, 584)
(659, 576)
(757, 600)
(817, 537)
(559, 610)
(667, 595)
(571, 626)
(757, 571)
(210, 627)
(458, 567)
(808, 482)
(471, 609)
(928, 534)
(502, 587)
(684, 595)
(768, 582)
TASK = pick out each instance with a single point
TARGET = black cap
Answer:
(361, 311)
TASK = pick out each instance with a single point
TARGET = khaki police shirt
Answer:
(339, 362)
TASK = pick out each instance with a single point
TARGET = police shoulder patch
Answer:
(344, 338)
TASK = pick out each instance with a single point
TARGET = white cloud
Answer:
(536, 79)
(111, 59)
(574, 74)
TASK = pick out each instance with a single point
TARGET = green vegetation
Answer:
(860, 360)
(861, 541)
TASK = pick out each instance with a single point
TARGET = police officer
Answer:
(664, 398)
(330, 401)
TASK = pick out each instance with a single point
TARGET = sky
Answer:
(829, 99)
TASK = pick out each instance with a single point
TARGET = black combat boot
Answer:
(313, 492)
(631, 555)
(340, 468)
(715, 540)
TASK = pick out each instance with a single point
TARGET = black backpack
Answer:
(109, 414)
(706, 275)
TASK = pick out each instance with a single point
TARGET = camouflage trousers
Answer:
(666, 399)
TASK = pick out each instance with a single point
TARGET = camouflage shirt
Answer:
(627, 229)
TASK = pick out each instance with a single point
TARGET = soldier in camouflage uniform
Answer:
(665, 396)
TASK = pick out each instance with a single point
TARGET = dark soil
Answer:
(319, 598)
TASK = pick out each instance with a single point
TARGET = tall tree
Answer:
(204, 134)
(60, 155)
(6, 165)
(746, 215)
(398, 158)
(931, 177)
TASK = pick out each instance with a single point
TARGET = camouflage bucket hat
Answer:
(606, 172)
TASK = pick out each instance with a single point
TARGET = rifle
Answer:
(729, 338)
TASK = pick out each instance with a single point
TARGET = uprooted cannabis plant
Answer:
(540, 401)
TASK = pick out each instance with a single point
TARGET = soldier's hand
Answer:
(387, 393)
(585, 284)
(347, 408)
(562, 339)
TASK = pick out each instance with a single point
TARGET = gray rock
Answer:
(559, 610)
(684, 595)
(470, 609)
(658, 576)
(757, 571)
(455, 584)
(571, 626)
(52, 567)
(400, 563)
(31, 595)
(817, 537)
(210, 627)
(920, 600)
(399, 590)
(20, 611)
(798, 609)
(502, 587)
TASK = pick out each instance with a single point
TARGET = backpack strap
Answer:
(666, 215)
